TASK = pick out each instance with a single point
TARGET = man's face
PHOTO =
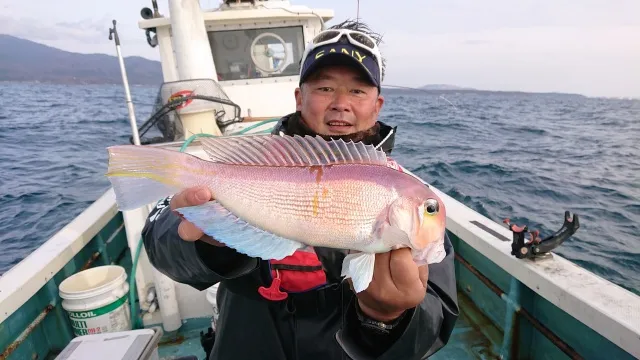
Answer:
(338, 100)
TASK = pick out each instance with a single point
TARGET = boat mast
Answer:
(194, 60)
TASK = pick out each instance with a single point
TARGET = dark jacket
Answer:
(317, 323)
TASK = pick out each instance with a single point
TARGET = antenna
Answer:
(156, 13)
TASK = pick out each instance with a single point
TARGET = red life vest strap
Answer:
(300, 272)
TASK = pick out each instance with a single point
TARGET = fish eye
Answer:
(431, 207)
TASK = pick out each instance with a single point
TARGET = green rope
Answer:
(136, 321)
(190, 140)
(256, 125)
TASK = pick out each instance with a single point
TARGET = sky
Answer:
(590, 47)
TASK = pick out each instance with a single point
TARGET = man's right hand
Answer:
(191, 197)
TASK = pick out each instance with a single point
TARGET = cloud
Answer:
(587, 46)
(597, 60)
(475, 42)
(85, 25)
(37, 30)
(82, 36)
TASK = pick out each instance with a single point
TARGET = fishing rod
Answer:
(113, 34)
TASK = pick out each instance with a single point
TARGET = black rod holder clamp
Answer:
(113, 32)
(536, 246)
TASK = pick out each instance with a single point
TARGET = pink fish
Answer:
(276, 194)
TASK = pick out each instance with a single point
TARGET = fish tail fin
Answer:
(141, 175)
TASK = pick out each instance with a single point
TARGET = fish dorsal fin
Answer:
(275, 150)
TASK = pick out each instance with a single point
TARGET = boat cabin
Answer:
(255, 50)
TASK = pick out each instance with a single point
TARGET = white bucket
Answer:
(97, 300)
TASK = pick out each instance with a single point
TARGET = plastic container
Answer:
(135, 344)
(97, 300)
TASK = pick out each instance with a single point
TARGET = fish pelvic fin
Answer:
(141, 175)
(218, 222)
(359, 267)
(275, 150)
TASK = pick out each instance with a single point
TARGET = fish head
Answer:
(421, 215)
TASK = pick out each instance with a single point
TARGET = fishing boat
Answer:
(231, 71)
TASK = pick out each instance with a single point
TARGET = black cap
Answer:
(341, 54)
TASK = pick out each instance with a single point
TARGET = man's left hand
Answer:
(398, 284)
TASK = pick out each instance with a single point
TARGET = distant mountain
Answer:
(430, 87)
(25, 60)
(444, 87)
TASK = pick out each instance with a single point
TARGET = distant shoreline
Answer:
(396, 90)
(476, 91)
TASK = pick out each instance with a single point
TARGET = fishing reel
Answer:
(537, 247)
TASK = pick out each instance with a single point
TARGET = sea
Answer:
(527, 157)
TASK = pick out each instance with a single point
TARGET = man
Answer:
(300, 307)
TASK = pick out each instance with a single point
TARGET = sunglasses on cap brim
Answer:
(356, 38)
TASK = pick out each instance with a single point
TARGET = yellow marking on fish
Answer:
(169, 168)
(319, 170)
(149, 175)
(315, 204)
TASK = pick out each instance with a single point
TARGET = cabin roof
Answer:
(260, 12)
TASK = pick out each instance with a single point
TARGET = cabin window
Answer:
(257, 53)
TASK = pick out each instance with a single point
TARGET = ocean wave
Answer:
(523, 156)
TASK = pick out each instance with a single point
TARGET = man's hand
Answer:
(398, 284)
(191, 197)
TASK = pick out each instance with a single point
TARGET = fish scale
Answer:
(297, 202)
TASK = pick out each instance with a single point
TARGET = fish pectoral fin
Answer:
(218, 222)
(359, 267)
